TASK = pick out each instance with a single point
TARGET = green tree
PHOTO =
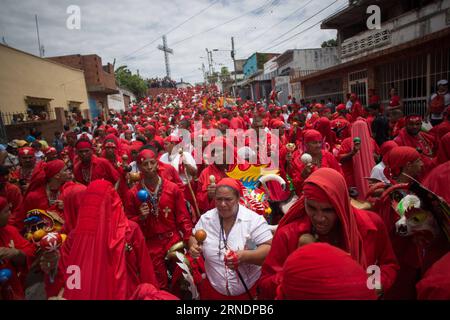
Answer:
(329, 43)
(133, 82)
(224, 72)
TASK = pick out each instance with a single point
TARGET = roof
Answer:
(42, 59)
(353, 13)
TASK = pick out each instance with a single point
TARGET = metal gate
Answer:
(357, 82)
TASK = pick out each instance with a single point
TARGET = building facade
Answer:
(37, 92)
(100, 80)
(410, 52)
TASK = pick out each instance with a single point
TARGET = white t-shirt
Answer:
(174, 160)
(249, 226)
(378, 172)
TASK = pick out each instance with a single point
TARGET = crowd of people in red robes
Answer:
(108, 209)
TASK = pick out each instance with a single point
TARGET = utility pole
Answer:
(204, 73)
(234, 64)
(39, 40)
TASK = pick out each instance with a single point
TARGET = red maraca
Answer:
(51, 242)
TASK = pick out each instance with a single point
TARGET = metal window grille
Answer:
(414, 78)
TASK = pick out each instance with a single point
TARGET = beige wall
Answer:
(22, 74)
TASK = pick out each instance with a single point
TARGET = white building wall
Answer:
(116, 102)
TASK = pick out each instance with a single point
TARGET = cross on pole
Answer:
(166, 51)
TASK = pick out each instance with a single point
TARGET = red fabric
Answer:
(363, 232)
(328, 161)
(312, 136)
(204, 203)
(43, 172)
(323, 125)
(363, 161)
(83, 144)
(3, 203)
(438, 180)
(422, 141)
(13, 289)
(395, 101)
(387, 146)
(232, 183)
(148, 291)
(321, 271)
(14, 197)
(440, 130)
(98, 246)
(435, 285)
(139, 264)
(162, 231)
(100, 169)
(26, 151)
(357, 110)
(72, 195)
(145, 155)
(443, 153)
(397, 158)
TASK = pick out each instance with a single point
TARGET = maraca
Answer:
(5, 275)
(135, 176)
(306, 158)
(143, 195)
(200, 236)
(212, 179)
(305, 239)
(356, 140)
(51, 242)
(290, 147)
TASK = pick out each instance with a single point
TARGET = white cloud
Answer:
(116, 28)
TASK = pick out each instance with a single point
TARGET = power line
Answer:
(298, 25)
(297, 34)
(215, 27)
(274, 25)
(173, 29)
(222, 24)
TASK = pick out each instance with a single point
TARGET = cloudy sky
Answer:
(130, 31)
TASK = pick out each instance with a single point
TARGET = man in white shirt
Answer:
(174, 158)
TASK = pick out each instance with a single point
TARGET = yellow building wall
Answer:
(22, 74)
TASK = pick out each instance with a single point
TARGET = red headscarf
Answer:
(72, 195)
(323, 125)
(3, 203)
(145, 155)
(396, 159)
(321, 271)
(98, 245)
(43, 172)
(334, 190)
(363, 161)
(443, 153)
(232, 183)
(387, 146)
(312, 135)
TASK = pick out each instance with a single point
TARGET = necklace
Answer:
(51, 195)
(154, 197)
(87, 174)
